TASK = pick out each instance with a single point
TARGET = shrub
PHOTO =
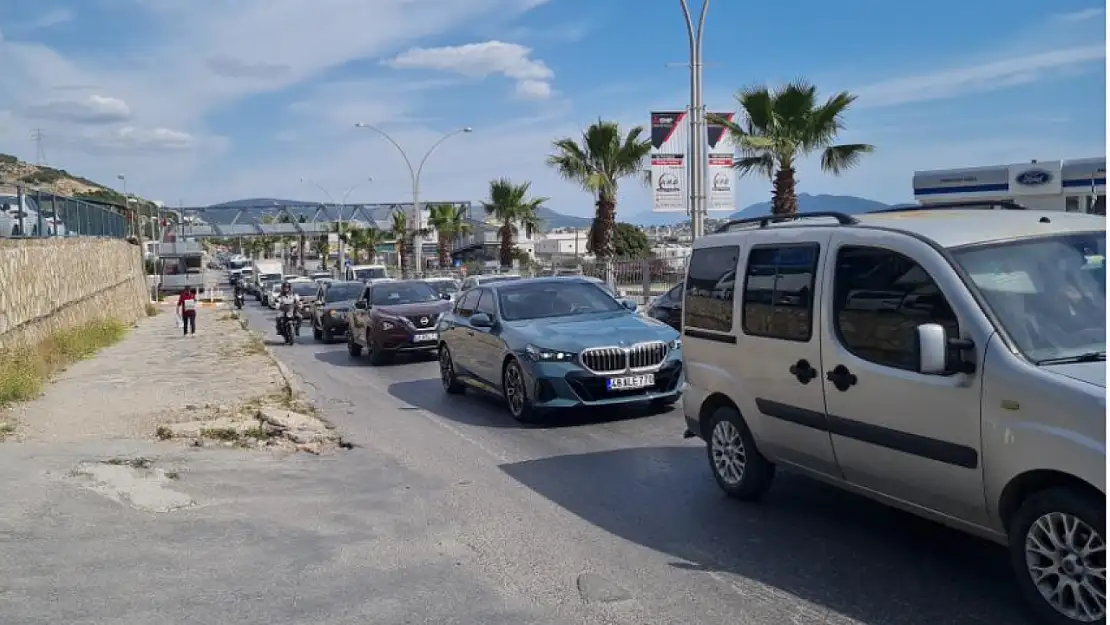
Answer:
(25, 370)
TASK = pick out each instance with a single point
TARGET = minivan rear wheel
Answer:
(1058, 551)
(740, 470)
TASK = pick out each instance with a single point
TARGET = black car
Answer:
(330, 309)
(668, 307)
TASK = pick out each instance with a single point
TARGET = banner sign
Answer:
(721, 175)
(669, 144)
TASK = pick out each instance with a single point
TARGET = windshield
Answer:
(444, 286)
(371, 273)
(267, 277)
(343, 292)
(554, 299)
(1049, 293)
(304, 289)
(396, 293)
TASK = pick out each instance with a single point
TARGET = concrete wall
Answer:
(51, 284)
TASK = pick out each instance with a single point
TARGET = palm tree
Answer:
(450, 223)
(399, 229)
(371, 238)
(509, 204)
(779, 127)
(598, 163)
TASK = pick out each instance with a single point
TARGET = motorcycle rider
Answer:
(287, 300)
(240, 295)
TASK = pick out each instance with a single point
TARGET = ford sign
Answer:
(1033, 177)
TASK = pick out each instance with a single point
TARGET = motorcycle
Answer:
(285, 325)
(239, 300)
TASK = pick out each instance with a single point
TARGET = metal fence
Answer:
(39, 214)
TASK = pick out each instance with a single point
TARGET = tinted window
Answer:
(709, 288)
(340, 292)
(444, 287)
(540, 300)
(372, 273)
(880, 297)
(467, 303)
(398, 293)
(304, 289)
(486, 303)
(778, 292)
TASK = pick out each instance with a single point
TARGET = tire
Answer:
(376, 355)
(317, 335)
(451, 384)
(1050, 510)
(740, 470)
(328, 336)
(353, 348)
(517, 400)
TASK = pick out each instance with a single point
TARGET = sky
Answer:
(207, 101)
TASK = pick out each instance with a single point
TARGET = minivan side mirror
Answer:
(360, 304)
(481, 320)
(932, 349)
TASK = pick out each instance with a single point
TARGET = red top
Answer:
(186, 295)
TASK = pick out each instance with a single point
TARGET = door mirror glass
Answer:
(445, 296)
(481, 320)
(360, 304)
(629, 304)
(932, 349)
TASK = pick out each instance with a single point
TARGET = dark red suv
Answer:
(395, 316)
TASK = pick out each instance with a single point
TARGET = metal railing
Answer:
(30, 213)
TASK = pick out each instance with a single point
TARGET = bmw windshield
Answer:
(541, 300)
(1049, 293)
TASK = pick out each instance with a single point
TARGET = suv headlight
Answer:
(548, 355)
(388, 325)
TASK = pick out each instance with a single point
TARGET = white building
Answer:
(564, 243)
(1074, 186)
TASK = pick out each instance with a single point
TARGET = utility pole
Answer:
(698, 136)
(39, 137)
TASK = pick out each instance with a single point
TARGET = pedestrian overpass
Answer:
(290, 220)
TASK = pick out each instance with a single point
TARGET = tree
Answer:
(510, 205)
(598, 163)
(779, 127)
(630, 242)
(370, 239)
(399, 229)
(450, 223)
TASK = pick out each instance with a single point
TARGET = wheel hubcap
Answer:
(446, 371)
(1066, 559)
(514, 390)
(729, 455)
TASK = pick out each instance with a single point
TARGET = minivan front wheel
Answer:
(740, 470)
(1058, 550)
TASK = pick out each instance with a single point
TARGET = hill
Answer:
(51, 180)
(848, 204)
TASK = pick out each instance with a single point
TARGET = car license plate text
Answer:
(631, 382)
(425, 338)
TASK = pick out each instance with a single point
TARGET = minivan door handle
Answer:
(841, 378)
(803, 371)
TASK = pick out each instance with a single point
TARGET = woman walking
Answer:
(187, 309)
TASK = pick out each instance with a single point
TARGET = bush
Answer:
(25, 370)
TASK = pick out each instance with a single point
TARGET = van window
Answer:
(880, 297)
(778, 291)
(710, 283)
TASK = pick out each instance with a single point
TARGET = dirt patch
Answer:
(135, 482)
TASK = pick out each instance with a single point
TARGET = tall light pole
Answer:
(415, 225)
(341, 254)
(698, 136)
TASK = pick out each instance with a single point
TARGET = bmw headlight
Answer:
(676, 344)
(548, 355)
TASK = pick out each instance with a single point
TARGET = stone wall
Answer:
(50, 284)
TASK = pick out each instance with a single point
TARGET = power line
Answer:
(39, 137)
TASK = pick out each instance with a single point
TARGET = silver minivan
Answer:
(950, 363)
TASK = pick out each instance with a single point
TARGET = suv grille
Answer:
(620, 359)
(423, 321)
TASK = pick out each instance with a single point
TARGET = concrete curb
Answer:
(287, 376)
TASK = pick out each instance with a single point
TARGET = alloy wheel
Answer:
(446, 368)
(729, 455)
(1066, 559)
(514, 389)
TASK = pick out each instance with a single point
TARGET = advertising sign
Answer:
(669, 144)
(721, 176)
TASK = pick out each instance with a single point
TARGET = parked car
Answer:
(332, 306)
(395, 316)
(473, 281)
(552, 343)
(668, 307)
(446, 287)
(946, 361)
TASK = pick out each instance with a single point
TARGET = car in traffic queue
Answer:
(668, 307)
(306, 290)
(474, 281)
(331, 308)
(268, 292)
(395, 316)
(544, 344)
(445, 286)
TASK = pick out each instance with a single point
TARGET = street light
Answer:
(415, 224)
(340, 256)
(698, 136)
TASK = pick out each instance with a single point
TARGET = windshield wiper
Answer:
(1084, 357)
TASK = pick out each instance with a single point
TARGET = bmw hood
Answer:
(1089, 372)
(574, 334)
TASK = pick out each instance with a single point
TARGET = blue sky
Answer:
(213, 100)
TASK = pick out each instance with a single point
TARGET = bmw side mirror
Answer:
(481, 320)
(629, 304)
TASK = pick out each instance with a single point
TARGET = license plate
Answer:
(631, 382)
(425, 338)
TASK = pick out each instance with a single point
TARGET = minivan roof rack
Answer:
(843, 218)
(961, 204)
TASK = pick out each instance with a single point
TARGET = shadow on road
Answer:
(834, 549)
(485, 410)
(341, 358)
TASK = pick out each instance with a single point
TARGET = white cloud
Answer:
(1082, 15)
(976, 78)
(148, 139)
(479, 60)
(93, 109)
(51, 18)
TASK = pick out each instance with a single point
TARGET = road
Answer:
(615, 518)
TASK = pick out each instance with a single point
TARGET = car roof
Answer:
(394, 282)
(947, 228)
(540, 280)
(332, 283)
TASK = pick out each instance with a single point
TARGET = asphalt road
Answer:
(617, 515)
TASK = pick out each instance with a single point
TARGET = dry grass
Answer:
(24, 371)
(152, 309)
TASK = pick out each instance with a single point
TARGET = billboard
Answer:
(720, 174)
(669, 144)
